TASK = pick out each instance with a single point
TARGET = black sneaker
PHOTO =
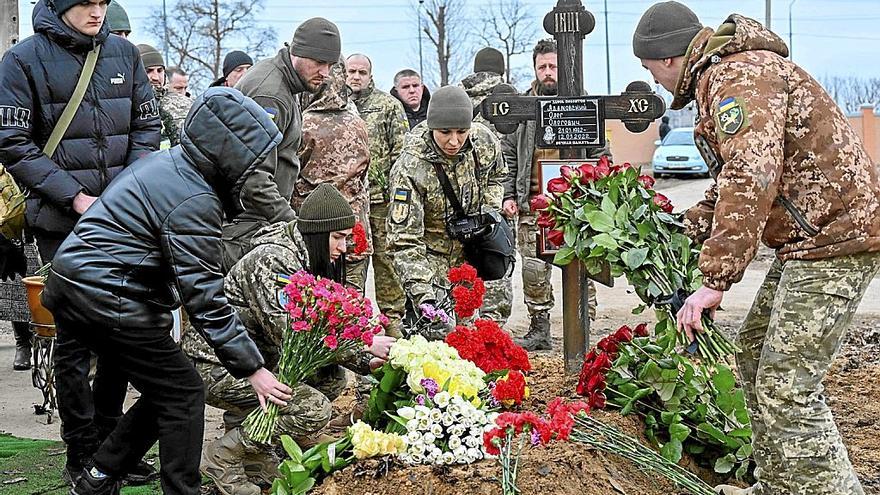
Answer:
(89, 484)
(141, 474)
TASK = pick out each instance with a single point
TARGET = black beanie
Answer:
(150, 56)
(235, 58)
(62, 6)
(325, 210)
(665, 31)
(318, 39)
(489, 60)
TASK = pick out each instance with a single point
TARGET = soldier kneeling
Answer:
(315, 242)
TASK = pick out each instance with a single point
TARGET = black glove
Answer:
(12, 259)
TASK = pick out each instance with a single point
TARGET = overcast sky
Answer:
(830, 37)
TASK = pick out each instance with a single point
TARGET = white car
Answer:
(677, 154)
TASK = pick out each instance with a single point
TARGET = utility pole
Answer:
(767, 14)
(790, 36)
(607, 52)
(8, 24)
(421, 61)
(165, 26)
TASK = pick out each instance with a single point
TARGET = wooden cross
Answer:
(572, 122)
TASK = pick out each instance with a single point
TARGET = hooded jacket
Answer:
(152, 240)
(116, 123)
(335, 149)
(415, 117)
(789, 168)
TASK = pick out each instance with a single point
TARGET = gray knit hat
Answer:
(235, 58)
(318, 39)
(450, 108)
(665, 31)
(325, 210)
(117, 18)
(489, 60)
(150, 56)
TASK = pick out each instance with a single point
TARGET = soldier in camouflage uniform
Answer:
(488, 69)
(420, 247)
(255, 286)
(386, 127)
(173, 107)
(791, 172)
(335, 150)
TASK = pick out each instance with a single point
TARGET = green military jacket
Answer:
(418, 210)
(386, 126)
(173, 108)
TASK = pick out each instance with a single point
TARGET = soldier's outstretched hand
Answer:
(267, 387)
(689, 317)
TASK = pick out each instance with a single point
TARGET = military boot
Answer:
(222, 461)
(732, 490)
(22, 360)
(538, 336)
(262, 466)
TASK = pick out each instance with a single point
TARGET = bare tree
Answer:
(446, 29)
(851, 93)
(200, 32)
(509, 26)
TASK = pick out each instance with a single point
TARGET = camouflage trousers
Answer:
(789, 339)
(306, 413)
(389, 292)
(537, 287)
(356, 273)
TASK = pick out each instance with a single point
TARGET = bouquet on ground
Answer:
(327, 323)
(464, 298)
(686, 408)
(493, 351)
(605, 215)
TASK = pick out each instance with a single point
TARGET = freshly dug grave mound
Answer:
(561, 468)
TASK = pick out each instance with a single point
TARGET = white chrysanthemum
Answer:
(447, 458)
(454, 442)
(412, 425)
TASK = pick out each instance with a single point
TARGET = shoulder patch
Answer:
(272, 112)
(731, 116)
(282, 298)
(400, 205)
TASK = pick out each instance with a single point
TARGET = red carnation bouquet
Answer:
(327, 323)
(467, 290)
(489, 347)
(359, 235)
(609, 216)
(510, 389)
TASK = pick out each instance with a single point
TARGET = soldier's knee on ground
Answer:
(306, 413)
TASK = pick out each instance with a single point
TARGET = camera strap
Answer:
(447, 186)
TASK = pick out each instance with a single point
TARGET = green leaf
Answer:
(713, 432)
(744, 452)
(694, 448)
(646, 230)
(634, 258)
(291, 448)
(303, 487)
(723, 380)
(639, 212)
(742, 470)
(668, 219)
(600, 221)
(740, 433)
(570, 235)
(564, 256)
(639, 309)
(725, 464)
(279, 487)
(628, 407)
(606, 241)
(608, 206)
(671, 451)
(622, 216)
(678, 431)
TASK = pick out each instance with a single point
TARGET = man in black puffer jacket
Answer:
(116, 123)
(151, 241)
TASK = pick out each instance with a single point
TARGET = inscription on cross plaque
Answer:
(572, 122)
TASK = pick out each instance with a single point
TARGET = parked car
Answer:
(678, 155)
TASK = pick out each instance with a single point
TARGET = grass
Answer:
(40, 463)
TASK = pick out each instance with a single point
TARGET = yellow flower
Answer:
(367, 442)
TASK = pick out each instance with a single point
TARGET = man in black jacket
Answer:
(117, 122)
(152, 241)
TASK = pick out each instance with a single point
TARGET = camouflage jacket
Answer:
(418, 210)
(253, 288)
(335, 149)
(386, 126)
(788, 167)
(478, 86)
(173, 108)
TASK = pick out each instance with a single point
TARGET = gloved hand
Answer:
(12, 259)
(433, 329)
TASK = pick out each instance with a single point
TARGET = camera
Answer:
(469, 228)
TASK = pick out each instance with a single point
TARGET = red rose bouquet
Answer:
(327, 322)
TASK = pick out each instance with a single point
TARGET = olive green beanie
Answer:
(117, 18)
(325, 210)
(150, 56)
(665, 30)
(450, 108)
(318, 39)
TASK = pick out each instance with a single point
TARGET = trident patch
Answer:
(731, 116)
(400, 205)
